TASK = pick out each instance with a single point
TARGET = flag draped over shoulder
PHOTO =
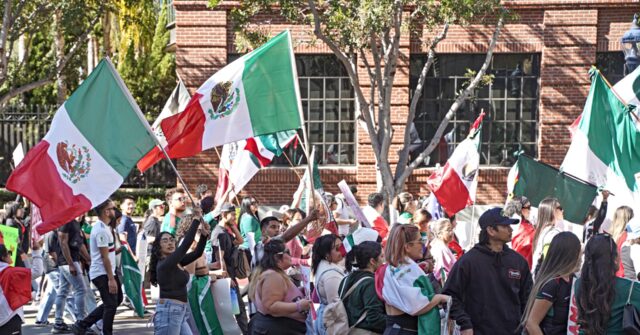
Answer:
(257, 94)
(132, 281)
(605, 149)
(455, 184)
(537, 181)
(96, 137)
(203, 306)
(408, 289)
(242, 160)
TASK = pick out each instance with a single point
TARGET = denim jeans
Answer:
(107, 310)
(65, 282)
(171, 318)
(49, 298)
(89, 298)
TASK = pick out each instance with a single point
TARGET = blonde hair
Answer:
(621, 217)
(400, 235)
(438, 226)
(546, 216)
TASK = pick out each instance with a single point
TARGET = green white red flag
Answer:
(255, 95)
(96, 137)
(455, 184)
(242, 160)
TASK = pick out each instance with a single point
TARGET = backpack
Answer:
(241, 263)
(335, 314)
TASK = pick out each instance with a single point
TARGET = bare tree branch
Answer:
(455, 106)
(351, 70)
(4, 33)
(372, 81)
(60, 66)
(404, 153)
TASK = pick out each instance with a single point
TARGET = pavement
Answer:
(125, 322)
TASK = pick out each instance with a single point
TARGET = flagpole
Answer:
(304, 127)
(144, 121)
(616, 94)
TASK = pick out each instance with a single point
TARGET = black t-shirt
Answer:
(75, 242)
(226, 245)
(50, 245)
(557, 291)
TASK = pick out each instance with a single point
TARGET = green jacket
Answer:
(364, 298)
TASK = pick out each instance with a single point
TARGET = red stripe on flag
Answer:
(223, 184)
(451, 192)
(252, 147)
(183, 132)
(38, 180)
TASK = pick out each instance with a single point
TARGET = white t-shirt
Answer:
(546, 236)
(101, 237)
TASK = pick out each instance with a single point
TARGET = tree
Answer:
(370, 31)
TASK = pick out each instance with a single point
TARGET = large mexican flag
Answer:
(96, 138)
(605, 149)
(255, 95)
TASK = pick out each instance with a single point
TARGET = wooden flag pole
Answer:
(144, 121)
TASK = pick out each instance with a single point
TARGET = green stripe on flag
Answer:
(101, 111)
(270, 86)
(537, 181)
(132, 281)
(611, 132)
(203, 307)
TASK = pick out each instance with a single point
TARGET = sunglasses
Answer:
(526, 207)
(560, 208)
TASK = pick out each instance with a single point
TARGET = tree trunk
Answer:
(58, 42)
(106, 33)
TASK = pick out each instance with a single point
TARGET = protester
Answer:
(71, 250)
(299, 248)
(630, 251)
(270, 229)
(227, 238)
(327, 272)
(600, 294)
(404, 206)
(345, 224)
(549, 215)
(422, 219)
(373, 214)
(454, 244)
(249, 225)
(621, 218)
(490, 284)
(547, 310)
(410, 300)
(15, 217)
(172, 309)
(175, 197)
(365, 311)
(127, 229)
(205, 198)
(281, 306)
(522, 241)
(15, 292)
(443, 257)
(595, 217)
(103, 271)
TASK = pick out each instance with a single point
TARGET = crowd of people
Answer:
(325, 272)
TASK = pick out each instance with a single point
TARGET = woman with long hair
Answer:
(405, 206)
(547, 310)
(365, 311)
(282, 308)
(522, 240)
(171, 311)
(630, 250)
(618, 230)
(249, 225)
(600, 295)
(406, 289)
(550, 213)
(327, 272)
(443, 256)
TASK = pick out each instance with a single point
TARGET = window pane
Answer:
(304, 87)
(347, 132)
(530, 109)
(513, 109)
(347, 111)
(316, 88)
(431, 89)
(498, 87)
(347, 154)
(315, 110)
(499, 111)
(315, 132)
(346, 90)
(332, 89)
(528, 132)
(331, 132)
(331, 110)
(448, 88)
(530, 89)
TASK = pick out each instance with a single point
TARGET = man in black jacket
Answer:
(490, 284)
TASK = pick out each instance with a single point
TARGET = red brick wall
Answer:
(566, 33)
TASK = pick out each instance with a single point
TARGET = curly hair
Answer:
(597, 290)
(155, 257)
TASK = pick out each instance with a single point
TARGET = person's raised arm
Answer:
(192, 256)
(602, 212)
(297, 228)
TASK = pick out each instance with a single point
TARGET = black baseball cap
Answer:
(227, 207)
(494, 217)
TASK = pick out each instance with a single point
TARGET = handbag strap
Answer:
(362, 317)
(630, 291)
(352, 288)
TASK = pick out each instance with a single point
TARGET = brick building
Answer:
(541, 82)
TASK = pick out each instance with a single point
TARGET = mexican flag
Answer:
(203, 307)
(132, 281)
(455, 184)
(537, 181)
(242, 160)
(257, 94)
(96, 137)
(605, 149)
(360, 235)
(408, 289)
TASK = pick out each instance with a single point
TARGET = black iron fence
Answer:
(29, 124)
